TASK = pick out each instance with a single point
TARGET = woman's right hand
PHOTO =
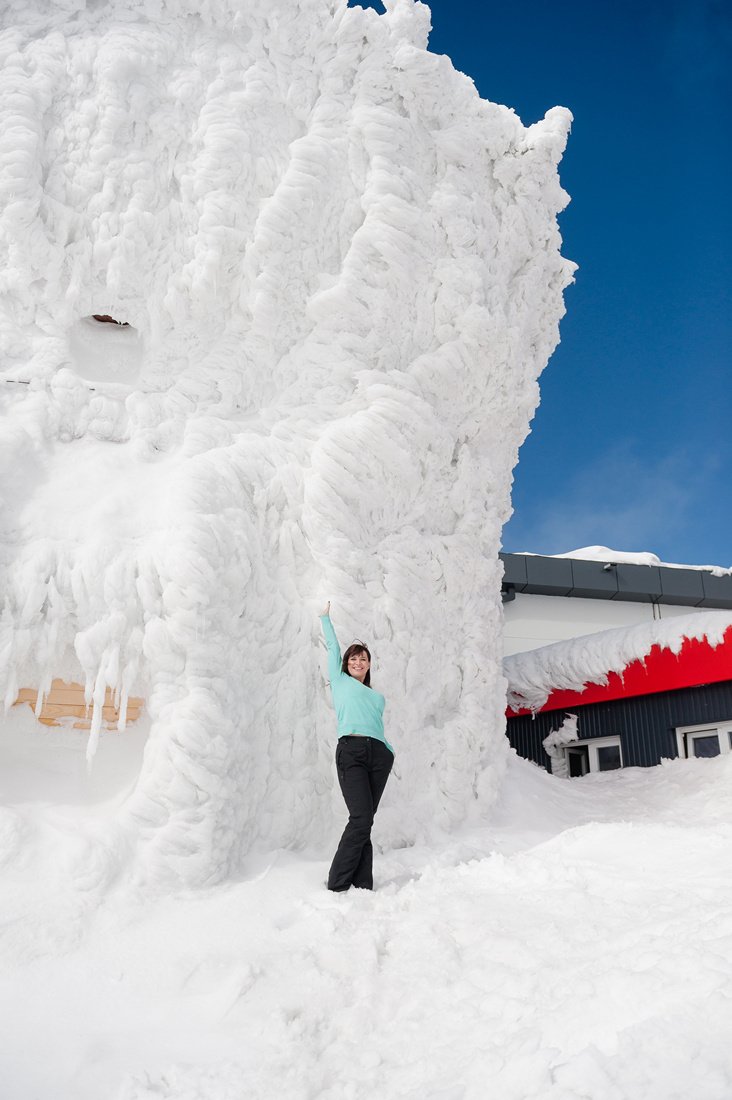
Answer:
(326, 609)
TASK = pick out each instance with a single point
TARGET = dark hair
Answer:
(357, 647)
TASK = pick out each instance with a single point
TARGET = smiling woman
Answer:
(357, 663)
(363, 757)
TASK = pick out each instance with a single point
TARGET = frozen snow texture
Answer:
(570, 665)
(556, 740)
(342, 269)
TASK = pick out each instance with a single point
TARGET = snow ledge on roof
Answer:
(626, 557)
(570, 665)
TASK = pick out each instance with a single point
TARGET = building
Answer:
(657, 684)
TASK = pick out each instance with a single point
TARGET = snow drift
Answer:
(337, 270)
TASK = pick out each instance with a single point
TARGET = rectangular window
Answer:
(608, 758)
(706, 745)
(579, 760)
(704, 741)
(596, 754)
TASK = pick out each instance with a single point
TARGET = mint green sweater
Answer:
(359, 709)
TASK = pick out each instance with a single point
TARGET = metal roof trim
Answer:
(548, 576)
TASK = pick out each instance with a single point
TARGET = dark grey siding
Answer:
(534, 573)
(645, 723)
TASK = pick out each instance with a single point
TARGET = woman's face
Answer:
(358, 666)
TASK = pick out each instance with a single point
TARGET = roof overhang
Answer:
(696, 663)
(535, 574)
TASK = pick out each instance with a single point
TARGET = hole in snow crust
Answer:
(105, 349)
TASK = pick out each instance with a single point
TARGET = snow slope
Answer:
(339, 270)
(579, 947)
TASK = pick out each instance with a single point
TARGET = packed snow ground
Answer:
(578, 947)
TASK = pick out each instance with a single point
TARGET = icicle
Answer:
(122, 720)
(100, 688)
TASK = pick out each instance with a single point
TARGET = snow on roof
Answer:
(571, 664)
(632, 557)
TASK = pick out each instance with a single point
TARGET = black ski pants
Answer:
(363, 765)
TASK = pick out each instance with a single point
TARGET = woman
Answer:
(363, 757)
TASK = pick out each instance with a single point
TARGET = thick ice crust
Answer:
(340, 269)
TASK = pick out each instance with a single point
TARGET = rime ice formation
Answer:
(336, 276)
(556, 740)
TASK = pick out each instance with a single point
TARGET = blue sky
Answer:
(631, 446)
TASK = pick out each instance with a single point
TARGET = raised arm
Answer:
(331, 641)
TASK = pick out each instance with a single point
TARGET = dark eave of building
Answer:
(597, 580)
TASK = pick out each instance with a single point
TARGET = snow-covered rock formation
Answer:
(336, 276)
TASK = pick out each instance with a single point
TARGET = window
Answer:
(707, 745)
(597, 754)
(704, 742)
(578, 759)
(608, 758)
